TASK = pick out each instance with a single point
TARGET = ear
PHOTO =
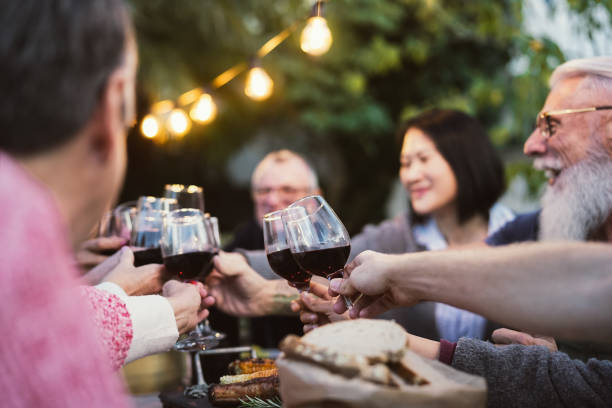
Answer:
(108, 121)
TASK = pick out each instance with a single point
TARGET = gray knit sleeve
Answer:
(532, 376)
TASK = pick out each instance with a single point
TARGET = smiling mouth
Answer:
(419, 192)
(552, 168)
(552, 175)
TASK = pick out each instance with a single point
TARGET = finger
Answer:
(321, 291)
(208, 301)
(296, 306)
(316, 304)
(309, 318)
(371, 310)
(103, 243)
(339, 306)
(309, 327)
(203, 314)
(342, 287)
(507, 336)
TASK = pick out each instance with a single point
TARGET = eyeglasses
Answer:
(547, 124)
(284, 192)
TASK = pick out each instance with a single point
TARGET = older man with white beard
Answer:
(573, 144)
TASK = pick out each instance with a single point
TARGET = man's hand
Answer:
(316, 307)
(190, 303)
(502, 337)
(120, 269)
(91, 252)
(371, 274)
(240, 291)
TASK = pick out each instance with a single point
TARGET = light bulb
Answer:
(149, 126)
(178, 122)
(205, 109)
(316, 37)
(259, 85)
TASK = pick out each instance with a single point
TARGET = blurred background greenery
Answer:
(390, 59)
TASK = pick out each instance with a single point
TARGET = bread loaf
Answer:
(378, 341)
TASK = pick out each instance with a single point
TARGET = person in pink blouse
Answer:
(67, 99)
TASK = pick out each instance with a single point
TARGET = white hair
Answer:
(282, 156)
(596, 70)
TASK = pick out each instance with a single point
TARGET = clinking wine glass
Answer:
(187, 196)
(188, 250)
(279, 254)
(117, 223)
(317, 238)
(147, 232)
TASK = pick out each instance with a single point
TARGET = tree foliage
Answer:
(390, 60)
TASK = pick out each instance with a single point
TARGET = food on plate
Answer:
(257, 378)
(251, 365)
(372, 350)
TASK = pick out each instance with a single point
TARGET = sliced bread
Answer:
(378, 341)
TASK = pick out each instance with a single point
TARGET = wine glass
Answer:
(146, 237)
(187, 196)
(147, 231)
(279, 254)
(166, 204)
(317, 238)
(124, 216)
(187, 249)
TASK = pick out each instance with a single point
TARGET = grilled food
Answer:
(262, 382)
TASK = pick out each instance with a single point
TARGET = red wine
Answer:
(323, 262)
(147, 256)
(283, 264)
(190, 265)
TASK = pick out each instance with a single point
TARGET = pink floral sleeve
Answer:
(113, 324)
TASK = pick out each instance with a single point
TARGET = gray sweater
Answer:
(532, 376)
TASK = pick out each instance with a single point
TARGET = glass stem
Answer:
(197, 363)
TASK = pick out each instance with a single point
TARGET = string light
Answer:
(178, 122)
(259, 85)
(316, 38)
(205, 109)
(167, 119)
(149, 126)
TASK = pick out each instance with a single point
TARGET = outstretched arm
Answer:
(560, 289)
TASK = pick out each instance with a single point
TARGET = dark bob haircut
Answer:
(57, 56)
(466, 147)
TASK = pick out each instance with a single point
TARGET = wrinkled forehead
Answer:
(579, 91)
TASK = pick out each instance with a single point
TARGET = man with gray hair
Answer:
(279, 179)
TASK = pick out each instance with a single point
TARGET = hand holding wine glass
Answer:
(318, 240)
(188, 247)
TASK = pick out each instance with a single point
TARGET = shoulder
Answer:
(523, 228)
(394, 235)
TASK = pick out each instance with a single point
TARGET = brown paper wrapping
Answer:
(306, 385)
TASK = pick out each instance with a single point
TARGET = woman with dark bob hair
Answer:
(454, 178)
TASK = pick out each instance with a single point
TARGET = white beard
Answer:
(579, 202)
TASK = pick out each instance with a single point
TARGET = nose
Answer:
(536, 144)
(273, 200)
